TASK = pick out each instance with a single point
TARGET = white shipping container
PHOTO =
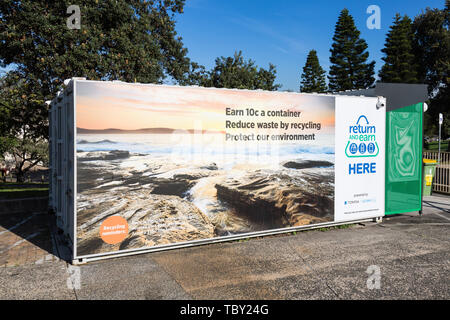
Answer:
(142, 167)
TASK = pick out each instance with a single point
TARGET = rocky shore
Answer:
(280, 199)
(166, 202)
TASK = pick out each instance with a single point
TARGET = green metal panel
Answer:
(404, 159)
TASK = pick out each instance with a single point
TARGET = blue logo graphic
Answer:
(362, 148)
(362, 139)
(371, 147)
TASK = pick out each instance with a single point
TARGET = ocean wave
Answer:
(151, 148)
(314, 149)
(105, 141)
(145, 149)
(130, 148)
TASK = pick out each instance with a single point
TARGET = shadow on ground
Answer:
(28, 237)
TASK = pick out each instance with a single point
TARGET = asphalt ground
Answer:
(405, 257)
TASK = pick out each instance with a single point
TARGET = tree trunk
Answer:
(20, 176)
(20, 173)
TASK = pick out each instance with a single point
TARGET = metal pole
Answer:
(424, 109)
(441, 119)
(439, 154)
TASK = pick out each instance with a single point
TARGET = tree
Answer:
(5, 115)
(118, 40)
(22, 133)
(313, 76)
(431, 44)
(400, 63)
(5, 139)
(349, 69)
(236, 72)
(432, 48)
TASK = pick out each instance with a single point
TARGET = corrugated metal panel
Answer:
(61, 159)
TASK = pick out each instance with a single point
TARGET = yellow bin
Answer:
(429, 169)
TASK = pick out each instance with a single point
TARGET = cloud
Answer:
(263, 28)
(134, 106)
(195, 4)
(281, 49)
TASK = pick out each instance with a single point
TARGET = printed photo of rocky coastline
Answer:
(174, 186)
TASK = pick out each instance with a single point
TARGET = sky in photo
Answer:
(282, 32)
(104, 105)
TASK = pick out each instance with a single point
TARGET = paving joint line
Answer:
(313, 271)
(173, 278)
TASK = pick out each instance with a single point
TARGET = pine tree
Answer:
(399, 59)
(313, 76)
(349, 69)
(432, 50)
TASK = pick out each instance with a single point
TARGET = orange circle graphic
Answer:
(114, 230)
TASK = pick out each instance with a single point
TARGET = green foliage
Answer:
(349, 69)
(118, 40)
(15, 191)
(342, 226)
(434, 146)
(432, 47)
(28, 152)
(399, 58)
(5, 114)
(5, 111)
(313, 76)
(236, 72)
(6, 144)
(24, 124)
(23, 108)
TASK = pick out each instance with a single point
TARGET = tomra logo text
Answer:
(362, 143)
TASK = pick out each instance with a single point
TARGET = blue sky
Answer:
(282, 32)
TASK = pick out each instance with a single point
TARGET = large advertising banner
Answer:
(159, 165)
(162, 165)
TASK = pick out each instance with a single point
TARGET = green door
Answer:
(404, 159)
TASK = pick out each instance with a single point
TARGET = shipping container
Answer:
(143, 167)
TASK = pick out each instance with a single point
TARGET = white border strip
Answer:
(121, 253)
(75, 184)
(193, 243)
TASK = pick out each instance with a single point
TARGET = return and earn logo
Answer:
(362, 140)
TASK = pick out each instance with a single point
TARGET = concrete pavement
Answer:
(411, 252)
